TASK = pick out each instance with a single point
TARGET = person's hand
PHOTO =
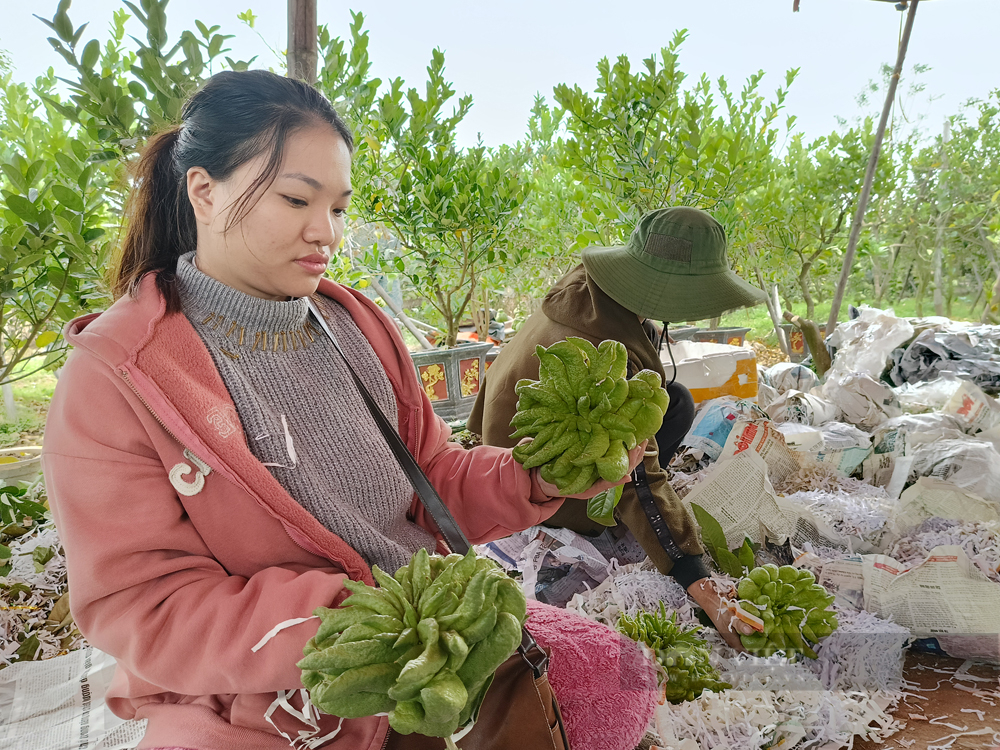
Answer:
(635, 457)
(730, 627)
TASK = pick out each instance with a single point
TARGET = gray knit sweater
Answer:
(302, 414)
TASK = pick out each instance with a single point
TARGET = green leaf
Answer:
(5, 552)
(712, 535)
(746, 555)
(24, 208)
(729, 564)
(42, 555)
(29, 649)
(91, 54)
(601, 508)
(67, 197)
(15, 177)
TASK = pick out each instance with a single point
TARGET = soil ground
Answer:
(935, 681)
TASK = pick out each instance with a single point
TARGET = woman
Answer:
(211, 468)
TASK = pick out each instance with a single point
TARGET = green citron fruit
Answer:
(792, 605)
(584, 415)
(681, 652)
(420, 648)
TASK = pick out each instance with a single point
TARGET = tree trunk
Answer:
(804, 286)
(980, 288)
(942, 222)
(991, 312)
(921, 291)
(771, 300)
(302, 40)
(939, 267)
(949, 289)
(9, 405)
(817, 347)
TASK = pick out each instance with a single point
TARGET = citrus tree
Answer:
(56, 209)
(644, 140)
(450, 210)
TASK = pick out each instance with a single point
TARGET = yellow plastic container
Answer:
(713, 370)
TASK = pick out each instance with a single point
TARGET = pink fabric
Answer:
(606, 687)
(179, 587)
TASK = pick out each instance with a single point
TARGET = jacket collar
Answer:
(164, 361)
(575, 301)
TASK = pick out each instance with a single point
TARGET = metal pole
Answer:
(302, 40)
(852, 242)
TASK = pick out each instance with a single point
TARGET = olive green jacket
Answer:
(576, 306)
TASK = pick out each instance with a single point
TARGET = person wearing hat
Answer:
(673, 269)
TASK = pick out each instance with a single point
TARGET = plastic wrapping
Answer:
(714, 421)
(972, 465)
(788, 376)
(803, 408)
(918, 398)
(839, 435)
(973, 408)
(862, 400)
(866, 343)
(972, 353)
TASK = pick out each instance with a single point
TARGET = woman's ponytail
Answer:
(159, 219)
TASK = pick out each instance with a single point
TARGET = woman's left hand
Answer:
(634, 459)
(730, 627)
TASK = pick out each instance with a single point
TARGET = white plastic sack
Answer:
(917, 398)
(766, 395)
(789, 376)
(804, 408)
(973, 465)
(974, 409)
(838, 436)
(862, 400)
(945, 425)
(866, 343)
(801, 437)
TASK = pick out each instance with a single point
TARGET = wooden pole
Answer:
(302, 40)
(866, 189)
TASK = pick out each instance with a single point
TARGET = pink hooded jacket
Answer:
(183, 551)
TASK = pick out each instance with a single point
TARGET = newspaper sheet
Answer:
(555, 564)
(58, 704)
(739, 496)
(977, 411)
(929, 497)
(946, 593)
(846, 460)
(799, 525)
(878, 467)
(762, 436)
(845, 579)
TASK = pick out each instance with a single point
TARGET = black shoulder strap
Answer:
(450, 530)
(653, 515)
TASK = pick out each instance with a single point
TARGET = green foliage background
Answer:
(466, 230)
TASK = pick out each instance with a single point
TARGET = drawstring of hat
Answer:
(659, 347)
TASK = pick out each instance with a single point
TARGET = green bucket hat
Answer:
(673, 269)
